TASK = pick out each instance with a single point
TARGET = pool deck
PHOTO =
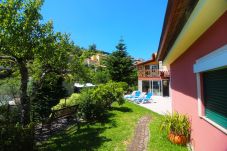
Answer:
(159, 104)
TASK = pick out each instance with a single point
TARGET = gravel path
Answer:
(141, 136)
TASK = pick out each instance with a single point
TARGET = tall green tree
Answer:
(22, 37)
(120, 64)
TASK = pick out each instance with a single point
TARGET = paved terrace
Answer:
(161, 105)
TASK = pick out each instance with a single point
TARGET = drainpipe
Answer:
(161, 88)
(149, 85)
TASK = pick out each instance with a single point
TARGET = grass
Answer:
(158, 139)
(68, 102)
(113, 134)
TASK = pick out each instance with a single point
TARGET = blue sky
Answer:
(103, 22)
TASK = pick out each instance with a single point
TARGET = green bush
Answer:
(45, 95)
(93, 103)
(89, 108)
(123, 85)
(15, 137)
(11, 114)
(72, 100)
(109, 93)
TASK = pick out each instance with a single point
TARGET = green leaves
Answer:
(36, 48)
(109, 93)
(176, 123)
(120, 65)
(121, 46)
(20, 28)
(93, 103)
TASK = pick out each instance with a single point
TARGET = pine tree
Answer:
(120, 64)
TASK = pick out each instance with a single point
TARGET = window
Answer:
(215, 96)
(211, 73)
(147, 67)
(145, 86)
(154, 67)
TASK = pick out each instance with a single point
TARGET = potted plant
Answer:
(177, 127)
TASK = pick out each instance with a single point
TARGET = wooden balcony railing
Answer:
(152, 73)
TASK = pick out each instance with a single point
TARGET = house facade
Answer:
(193, 46)
(96, 60)
(152, 77)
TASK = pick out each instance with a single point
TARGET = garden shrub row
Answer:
(95, 102)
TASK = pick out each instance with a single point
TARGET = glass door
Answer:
(157, 88)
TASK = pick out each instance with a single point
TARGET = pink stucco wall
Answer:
(205, 137)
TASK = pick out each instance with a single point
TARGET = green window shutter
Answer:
(215, 96)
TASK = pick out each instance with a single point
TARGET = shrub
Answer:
(11, 114)
(123, 85)
(15, 137)
(94, 103)
(90, 109)
(109, 93)
(45, 95)
(72, 100)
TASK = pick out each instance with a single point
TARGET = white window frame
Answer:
(214, 60)
(154, 67)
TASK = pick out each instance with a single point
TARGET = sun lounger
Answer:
(137, 94)
(141, 97)
(130, 95)
(144, 99)
(147, 98)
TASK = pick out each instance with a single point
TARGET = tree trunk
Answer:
(25, 103)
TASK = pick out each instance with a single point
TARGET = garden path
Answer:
(141, 136)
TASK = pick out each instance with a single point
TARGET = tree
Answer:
(22, 37)
(120, 64)
(100, 76)
(49, 73)
(92, 47)
(79, 71)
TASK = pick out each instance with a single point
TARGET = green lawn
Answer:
(68, 102)
(112, 135)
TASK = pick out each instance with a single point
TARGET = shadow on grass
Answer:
(107, 119)
(122, 109)
(86, 138)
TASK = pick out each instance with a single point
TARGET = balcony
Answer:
(152, 73)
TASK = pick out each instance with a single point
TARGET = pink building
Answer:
(193, 46)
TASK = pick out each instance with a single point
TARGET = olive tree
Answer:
(22, 37)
